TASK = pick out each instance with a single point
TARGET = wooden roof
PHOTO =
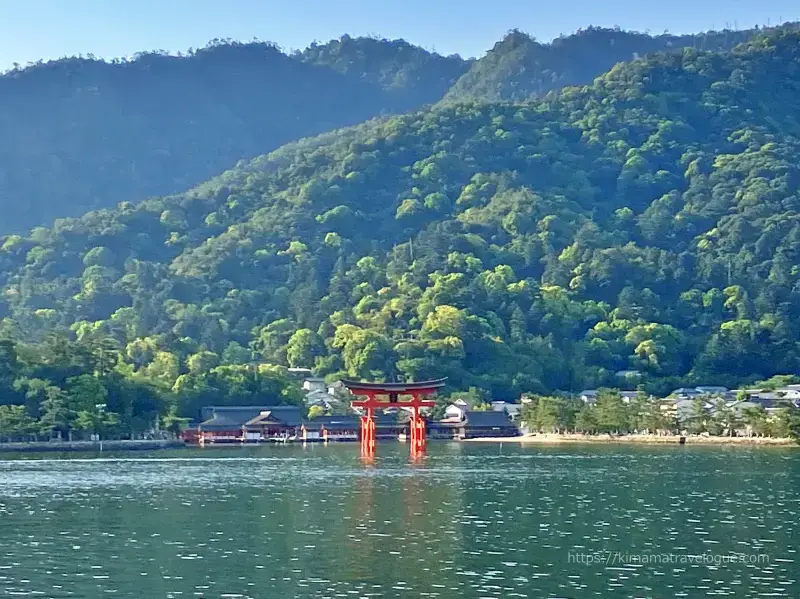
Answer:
(395, 387)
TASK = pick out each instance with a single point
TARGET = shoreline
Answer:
(572, 438)
(88, 446)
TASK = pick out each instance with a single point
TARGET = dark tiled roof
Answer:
(227, 417)
(488, 419)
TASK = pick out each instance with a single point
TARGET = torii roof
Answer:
(394, 387)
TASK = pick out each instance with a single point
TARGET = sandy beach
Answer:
(554, 439)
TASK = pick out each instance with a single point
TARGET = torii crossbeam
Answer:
(372, 391)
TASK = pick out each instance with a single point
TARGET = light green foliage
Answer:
(586, 420)
(315, 412)
(303, 346)
(202, 361)
(96, 421)
(612, 414)
(15, 422)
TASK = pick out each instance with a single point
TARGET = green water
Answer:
(479, 521)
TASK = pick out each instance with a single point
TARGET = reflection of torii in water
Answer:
(393, 391)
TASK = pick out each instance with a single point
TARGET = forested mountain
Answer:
(519, 67)
(396, 66)
(650, 222)
(81, 133)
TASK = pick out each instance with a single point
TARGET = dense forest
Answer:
(519, 68)
(649, 221)
(81, 133)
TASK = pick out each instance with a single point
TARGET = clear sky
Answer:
(34, 29)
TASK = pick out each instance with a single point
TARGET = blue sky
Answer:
(34, 29)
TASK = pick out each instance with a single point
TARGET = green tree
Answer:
(549, 414)
(303, 346)
(654, 419)
(174, 424)
(612, 415)
(97, 421)
(202, 361)
(586, 420)
(84, 392)
(697, 421)
(56, 418)
(755, 418)
(16, 423)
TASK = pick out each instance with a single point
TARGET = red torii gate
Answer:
(416, 390)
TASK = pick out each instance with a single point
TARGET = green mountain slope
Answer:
(80, 134)
(648, 222)
(518, 67)
(397, 66)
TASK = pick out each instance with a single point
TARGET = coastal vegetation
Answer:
(610, 414)
(62, 388)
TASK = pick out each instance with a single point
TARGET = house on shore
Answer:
(512, 409)
(318, 393)
(589, 396)
(474, 424)
(712, 390)
(457, 409)
(682, 409)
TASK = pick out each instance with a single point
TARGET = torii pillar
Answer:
(393, 391)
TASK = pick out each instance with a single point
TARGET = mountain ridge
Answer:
(83, 134)
(518, 67)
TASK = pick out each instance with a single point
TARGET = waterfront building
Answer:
(280, 421)
(711, 390)
(474, 424)
(457, 409)
(237, 424)
(331, 428)
(487, 424)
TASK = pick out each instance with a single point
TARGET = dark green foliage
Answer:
(519, 68)
(80, 133)
(648, 222)
(397, 66)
